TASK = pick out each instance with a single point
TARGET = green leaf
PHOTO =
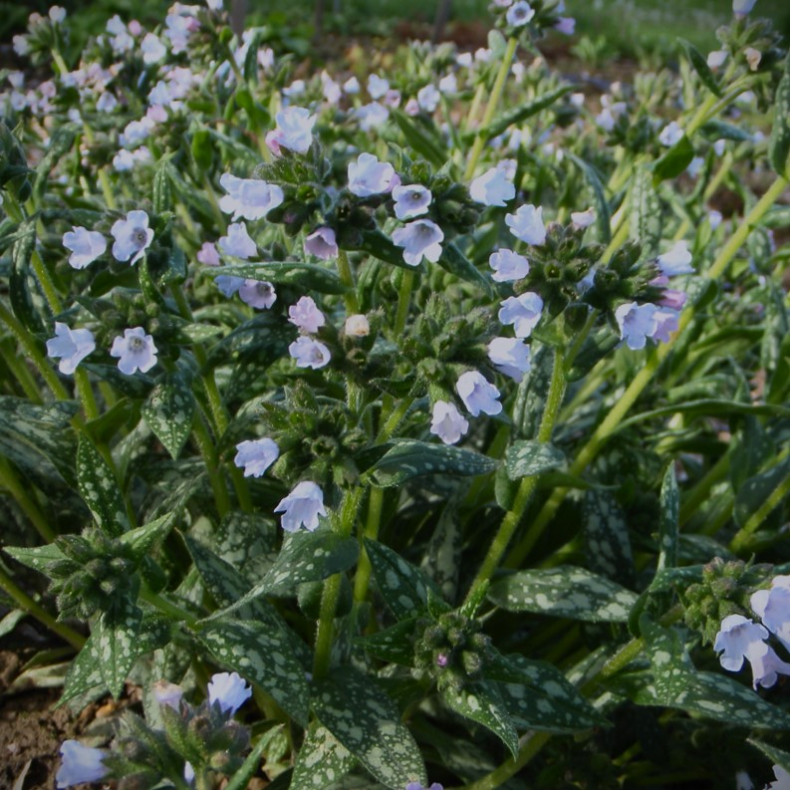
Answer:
(606, 538)
(375, 243)
(321, 761)
(718, 130)
(603, 215)
(143, 540)
(674, 161)
(482, 702)
(117, 632)
(455, 262)
(566, 591)
(756, 490)
(532, 393)
(525, 111)
(263, 656)
(242, 538)
(403, 586)
(700, 65)
(539, 697)
(39, 558)
(410, 458)
(169, 412)
(85, 673)
(646, 212)
(528, 458)
(779, 144)
(669, 526)
(776, 756)
(362, 718)
(394, 644)
(423, 140)
(24, 290)
(99, 488)
(305, 275)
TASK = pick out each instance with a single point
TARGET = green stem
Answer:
(644, 376)
(393, 420)
(209, 453)
(404, 302)
(528, 484)
(496, 94)
(86, 395)
(347, 276)
(19, 370)
(25, 602)
(11, 482)
(701, 491)
(741, 539)
(167, 607)
(371, 532)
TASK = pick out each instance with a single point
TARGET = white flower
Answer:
(85, 246)
(637, 323)
(71, 346)
(322, 243)
(523, 312)
(371, 115)
(153, 49)
(411, 200)
(743, 781)
(135, 351)
(695, 166)
(671, 134)
(773, 608)
(229, 691)
(477, 394)
(249, 198)
(753, 58)
(742, 7)
(447, 422)
(527, 225)
(716, 58)
(309, 353)
(715, 218)
(676, 261)
(510, 356)
(782, 779)
(294, 130)
(21, 45)
(377, 86)
(80, 764)
(519, 14)
(351, 86)
(296, 88)
(493, 188)
(256, 456)
(357, 326)
(583, 219)
(57, 13)
(107, 102)
(508, 266)
(302, 507)
(428, 98)
(331, 89)
(168, 694)
(238, 242)
(420, 238)
(120, 40)
(448, 85)
(132, 237)
(135, 132)
(367, 176)
(257, 293)
(306, 315)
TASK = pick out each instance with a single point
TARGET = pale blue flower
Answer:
(527, 225)
(523, 312)
(478, 394)
(411, 201)
(510, 356)
(229, 691)
(85, 246)
(773, 608)
(249, 198)
(302, 507)
(71, 346)
(420, 239)
(135, 351)
(367, 176)
(508, 266)
(493, 188)
(256, 456)
(448, 423)
(81, 764)
(309, 353)
(132, 237)
(637, 323)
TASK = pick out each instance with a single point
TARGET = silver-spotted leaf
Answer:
(606, 539)
(527, 458)
(169, 412)
(100, 490)
(117, 633)
(321, 761)
(304, 275)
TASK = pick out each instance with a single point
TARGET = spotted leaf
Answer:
(118, 631)
(524, 459)
(169, 412)
(99, 488)
(321, 761)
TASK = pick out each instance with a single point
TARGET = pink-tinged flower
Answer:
(523, 312)
(667, 322)
(583, 219)
(85, 246)
(637, 323)
(258, 294)
(411, 201)
(80, 764)
(671, 134)
(508, 266)
(357, 326)
(527, 225)
(255, 456)
(168, 694)
(294, 131)
(132, 237)
(676, 261)
(322, 243)
(238, 242)
(477, 394)
(420, 239)
(135, 351)
(228, 690)
(520, 13)
(208, 254)
(773, 608)
(367, 176)
(510, 356)
(493, 188)
(302, 507)
(447, 422)
(306, 315)
(71, 346)
(249, 198)
(309, 353)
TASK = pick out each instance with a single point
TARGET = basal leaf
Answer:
(606, 538)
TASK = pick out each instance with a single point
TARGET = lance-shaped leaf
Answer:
(606, 538)
(567, 591)
(527, 458)
(669, 526)
(169, 411)
(263, 656)
(674, 161)
(776, 756)
(455, 262)
(423, 140)
(700, 65)
(394, 644)
(142, 540)
(321, 761)
(305, 275)
(361, 716)
(603, 215)
(779, 144)
(39, 557)
(118, 631)
(100, 490)
(525, 111)
(482, 702)
(403, 586)
(85, 674)
(409, 459)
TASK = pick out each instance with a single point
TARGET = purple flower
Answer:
(80, 764)
(367, 176)
(520, 13)
(411, 201)
(208, 254)
(238, 242)
(257, 293)
(309, 353)
(420, 238)
(256, 456)
(229, 691)
(302, 507)
(321, 243)
(306, 315)
(477, 394)
(637, 323)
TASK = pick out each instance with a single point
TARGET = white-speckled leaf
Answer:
(117, 633)
(409, 459)
(403, 586)
(361, 716)
(394, 644)
(169, 411)
(240, 537)
(482, 702)
(85, 673)
(38, 557)
(99, 488)
(321, 761)
(142, 540)
(527, 458)
(776, 756)
(606, 540)
(670, 517)
(567, 591)
(264, 656)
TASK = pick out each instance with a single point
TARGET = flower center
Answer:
(136, 344)
(139, 236)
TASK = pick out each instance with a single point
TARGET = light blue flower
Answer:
(80, 764)
(71, 346)
(229, 690)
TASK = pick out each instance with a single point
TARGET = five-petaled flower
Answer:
(306, 315)
(132, 237)
(527, 225)
(322, 243)
(478, 394)
(520, 13)
(257, 293)
(294, 131)
(367, 176)
(135, 351)
(309, 353)
(249, 198)
(411, 201)
(421, 238)
(255, 456)
(523, 312)
(508, 266)
(493, 188)
(510, 356)
(85, 246)
(447, 422)
(71, 346)
(302, 507)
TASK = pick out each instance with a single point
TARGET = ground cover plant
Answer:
(412, 422)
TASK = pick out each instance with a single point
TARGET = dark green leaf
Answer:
(670, 521)
(309, 276)
(423, 140)
(603, 216)
(779, 144)
(528, 458)
(674, 161)
(700, 65)
(394, 644)
(606, 539)
(118, 632)
(525, 111)
(100, 490)
(756, 490)
(455, 262)
(321, 761)
(169, 412)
